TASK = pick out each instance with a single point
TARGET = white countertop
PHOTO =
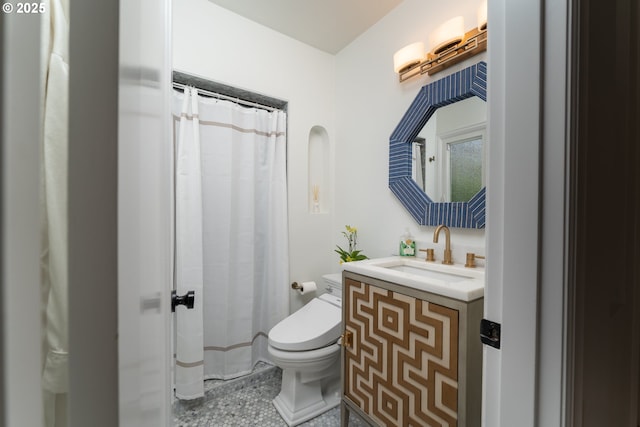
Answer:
(453, 281)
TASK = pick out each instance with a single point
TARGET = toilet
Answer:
(305, 346)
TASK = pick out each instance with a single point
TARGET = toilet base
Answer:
(316, 404)
(310, 383)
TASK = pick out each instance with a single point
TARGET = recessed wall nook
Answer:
(319, 170)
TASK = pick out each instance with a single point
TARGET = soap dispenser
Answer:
(407, 244)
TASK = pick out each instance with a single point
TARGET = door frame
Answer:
(524, 381)
(20, 344)
(560, 306)
(512, 276)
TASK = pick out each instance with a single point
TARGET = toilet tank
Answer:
(334, 283)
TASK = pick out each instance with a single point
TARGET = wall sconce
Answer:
(451, 44)
(448, 35)
(409, 56)
(482, 16)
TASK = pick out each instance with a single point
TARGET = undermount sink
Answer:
(428, 273)
(454, 281)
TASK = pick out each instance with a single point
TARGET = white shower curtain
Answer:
(244, 238)
(54, 255)
(189, 251)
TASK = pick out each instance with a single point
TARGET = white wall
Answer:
(370, 103)
(354, 95)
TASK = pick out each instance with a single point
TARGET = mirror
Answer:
(448, 154)
(425, 175)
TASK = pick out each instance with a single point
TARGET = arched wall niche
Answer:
(319, 199)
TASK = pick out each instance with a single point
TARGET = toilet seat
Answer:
(315, 325)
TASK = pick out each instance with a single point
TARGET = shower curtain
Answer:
(189, 250)
(240, 155)
(54, 271)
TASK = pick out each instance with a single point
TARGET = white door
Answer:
(144, 213)
(119, 213)
(99, 197)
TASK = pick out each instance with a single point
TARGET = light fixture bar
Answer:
(474, 42)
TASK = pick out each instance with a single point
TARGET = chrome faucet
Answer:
(447, 248)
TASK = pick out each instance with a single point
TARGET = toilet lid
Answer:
(315, 325)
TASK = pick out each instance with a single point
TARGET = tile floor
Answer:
(245, 401)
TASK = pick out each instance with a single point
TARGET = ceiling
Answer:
(328, 25)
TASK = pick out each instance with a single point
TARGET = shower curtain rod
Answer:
(237, 100)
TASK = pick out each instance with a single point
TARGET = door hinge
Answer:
(490, 333)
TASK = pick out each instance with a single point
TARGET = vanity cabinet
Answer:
(409, 357)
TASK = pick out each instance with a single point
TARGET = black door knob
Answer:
(187, 300)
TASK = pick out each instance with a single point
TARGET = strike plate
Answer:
(490, 333)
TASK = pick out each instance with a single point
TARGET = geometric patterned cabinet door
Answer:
(401, 367)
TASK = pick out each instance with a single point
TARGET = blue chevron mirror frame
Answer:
(471, 81)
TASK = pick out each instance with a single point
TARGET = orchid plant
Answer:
(352, 254)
